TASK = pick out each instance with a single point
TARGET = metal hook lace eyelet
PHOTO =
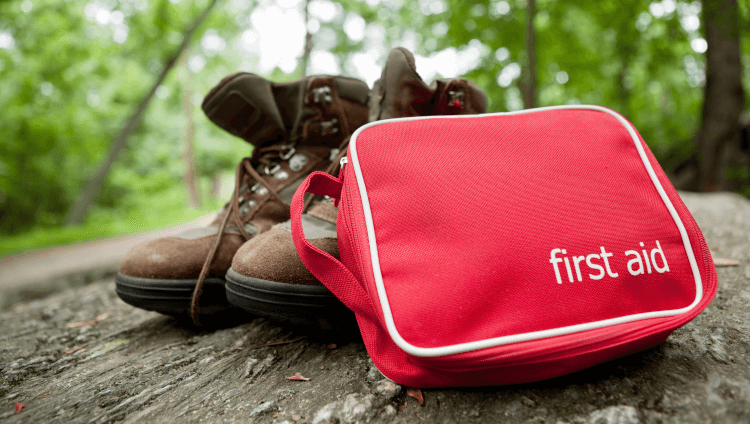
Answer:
(272, 169)
(247, 207)
(456, 98)
(290, 151)
(281, 175)
(297, 162)
(322, 95)
(328, 127)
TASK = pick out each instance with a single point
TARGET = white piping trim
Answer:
(515, 338)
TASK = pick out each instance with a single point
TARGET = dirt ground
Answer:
(83, 356)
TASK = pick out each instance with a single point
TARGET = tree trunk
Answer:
(191, 167)
(529, 92)
(308, 40)
(724, 98)
(216, 186)
(93, 185)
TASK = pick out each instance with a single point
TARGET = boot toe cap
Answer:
(271, 256)
(174, 258)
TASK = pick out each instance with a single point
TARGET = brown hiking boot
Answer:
(296, 128)
(267, 276)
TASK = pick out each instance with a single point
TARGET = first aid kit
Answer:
(507, 248)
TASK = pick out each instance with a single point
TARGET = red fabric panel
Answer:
(466, 213)
(471, 239)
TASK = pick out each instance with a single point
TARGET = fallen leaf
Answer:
(420, 417)
(725, 262)
(276, 414)
(89, 322)
(296, 418)
(331, 346)
(74, 350)
(298, 377)
(416, 394)
(19, 407)
(284, 342)
(322, 367)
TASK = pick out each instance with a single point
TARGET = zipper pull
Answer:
(344, 160)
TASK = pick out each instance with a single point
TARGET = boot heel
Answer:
(243, 104)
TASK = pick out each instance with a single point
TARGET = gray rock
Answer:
(326, 414)
(263, 408)
(139, 366)
(615, 415)
(387, 389)
(358, 408)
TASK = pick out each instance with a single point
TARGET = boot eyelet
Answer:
(241, 200)
(297, 162)
(334, 153)
(281, 175)
(456, 99)
(262, 191)
(247, 207)
(272, 169)
(290, 151)
(322, 95)
(329, 128)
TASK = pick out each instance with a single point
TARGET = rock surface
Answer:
(83, 356)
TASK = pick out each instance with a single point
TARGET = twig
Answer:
(89, 322)
(284, 342)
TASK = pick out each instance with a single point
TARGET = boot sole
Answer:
(313, 306)
(171, 297)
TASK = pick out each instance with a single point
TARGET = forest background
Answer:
(101, 131)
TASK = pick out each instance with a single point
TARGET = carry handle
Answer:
(329, 270)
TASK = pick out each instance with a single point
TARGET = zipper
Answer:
(343, 161)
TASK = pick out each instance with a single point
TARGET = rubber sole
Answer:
(171, 297)
(313, 306)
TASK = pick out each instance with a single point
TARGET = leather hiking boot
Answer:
(296, 128)
(267, 276)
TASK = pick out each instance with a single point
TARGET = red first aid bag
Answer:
(507, 248)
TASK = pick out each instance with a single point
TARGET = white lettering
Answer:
(605, 255)
(594, 266)
(576, 261)
(663, 259)
(637, 260)
(554, 261)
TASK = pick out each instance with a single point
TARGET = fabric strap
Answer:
(329, 270)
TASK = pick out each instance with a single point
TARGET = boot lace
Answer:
(265, 159)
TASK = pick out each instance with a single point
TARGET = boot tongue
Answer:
(405, 92)
(243, 104)
(290, 100)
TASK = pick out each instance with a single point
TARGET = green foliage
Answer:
(76, 69)
(159, 210)
(71, 80)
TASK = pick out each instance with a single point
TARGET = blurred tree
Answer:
(194, 197)
(718, 141)
(73, 71)
(529, 89)
(93, 184)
